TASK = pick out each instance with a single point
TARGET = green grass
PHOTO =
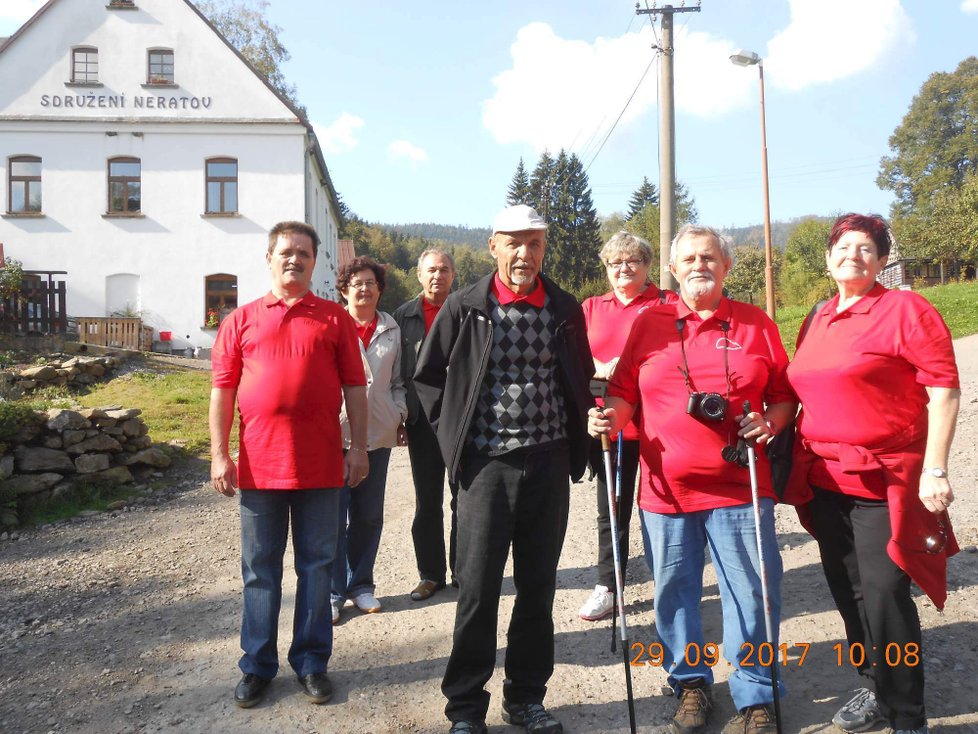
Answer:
(956, 302)
(174, 404)
(80, 498)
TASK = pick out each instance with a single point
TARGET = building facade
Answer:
(147, 158)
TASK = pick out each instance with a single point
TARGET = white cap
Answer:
(517, 218)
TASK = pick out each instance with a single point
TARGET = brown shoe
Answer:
(426, 589)
(694, 707)
(753, 720)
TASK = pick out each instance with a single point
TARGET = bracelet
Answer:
(357, 448)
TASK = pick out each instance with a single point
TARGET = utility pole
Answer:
(667, 143)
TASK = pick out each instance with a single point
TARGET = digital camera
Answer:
(711, 406)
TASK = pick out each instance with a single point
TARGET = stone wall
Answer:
(51, 455)
(57, 371)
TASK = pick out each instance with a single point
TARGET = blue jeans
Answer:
(265, 517)
(362, 519)
(678, 548)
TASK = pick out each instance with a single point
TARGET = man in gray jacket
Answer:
(503, 377)
(436, 272)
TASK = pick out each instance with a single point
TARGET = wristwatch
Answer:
(935, 472)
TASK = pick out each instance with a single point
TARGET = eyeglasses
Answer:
(358, 284)
(632, 263)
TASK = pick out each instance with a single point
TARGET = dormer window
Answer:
(84, 65)
(160, 66)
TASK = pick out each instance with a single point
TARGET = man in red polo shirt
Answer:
(690, 366)
(436, 272)
(288, 359)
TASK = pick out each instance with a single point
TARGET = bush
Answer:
(13, 416)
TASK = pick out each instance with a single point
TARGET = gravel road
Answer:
(128, 622)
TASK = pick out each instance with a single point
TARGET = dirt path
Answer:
(128, 622)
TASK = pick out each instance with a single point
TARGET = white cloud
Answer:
(339, 137)
(588, 84)
(13, 13)
(833, 39)
(404, 149)
(969, 6)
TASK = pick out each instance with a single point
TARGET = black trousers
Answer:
(519, 499)
(428, 528)
(873, 596)
(629, 471)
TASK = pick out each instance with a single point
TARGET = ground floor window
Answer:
(220, 298)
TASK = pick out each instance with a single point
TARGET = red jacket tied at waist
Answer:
(911, 524)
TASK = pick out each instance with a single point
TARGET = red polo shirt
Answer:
(288, 364)
(682, 470)
(536, 298)
(430, 310)
(609, 322)
(861, 375)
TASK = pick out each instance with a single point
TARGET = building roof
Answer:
(345, 253)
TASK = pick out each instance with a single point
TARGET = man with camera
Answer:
(691, 367)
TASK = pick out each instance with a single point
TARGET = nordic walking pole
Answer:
(619, 586)
(614, 609)
(768, 623)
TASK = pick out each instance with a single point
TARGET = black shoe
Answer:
(250, 690)
(531, 716)
(317, 687)
(468, 727)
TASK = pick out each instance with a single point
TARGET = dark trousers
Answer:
(519, 499)
(428, 529)
(629, 471)
(873, 596)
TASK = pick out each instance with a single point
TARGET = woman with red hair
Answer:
(878, 384)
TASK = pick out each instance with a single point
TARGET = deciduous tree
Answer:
(245, 24)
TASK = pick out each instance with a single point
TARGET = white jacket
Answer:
(386, 394)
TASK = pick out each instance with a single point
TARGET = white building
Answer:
(144, 156)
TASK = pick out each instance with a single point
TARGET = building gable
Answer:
(42, 63)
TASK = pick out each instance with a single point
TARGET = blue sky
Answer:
(424, 108)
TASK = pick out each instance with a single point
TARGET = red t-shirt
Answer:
(430, 311)
(861, 375)
(609, 322)
(366, 331)
(682, 470)
(537, 298)
(288, 364)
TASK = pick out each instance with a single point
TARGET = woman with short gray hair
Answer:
(627, 259)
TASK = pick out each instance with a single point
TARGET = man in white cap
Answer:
(503, 377)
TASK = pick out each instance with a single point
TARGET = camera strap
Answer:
(684, 370)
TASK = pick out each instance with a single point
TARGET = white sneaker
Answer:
(336, 604)
(367, 603)
(598, 605)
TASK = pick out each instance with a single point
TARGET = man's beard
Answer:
(700, 285)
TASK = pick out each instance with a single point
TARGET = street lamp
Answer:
(749, 58)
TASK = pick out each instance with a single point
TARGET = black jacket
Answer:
(453, 361)
(410, 317)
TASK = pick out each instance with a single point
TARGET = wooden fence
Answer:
(38, 309)
(120, 333)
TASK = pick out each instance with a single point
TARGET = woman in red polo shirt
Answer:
(876, 377)
(609, 320)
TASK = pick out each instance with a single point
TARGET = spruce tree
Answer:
(519, 189)
(645, 194)
(542, 181)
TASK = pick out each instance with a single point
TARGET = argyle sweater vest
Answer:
(520, 403)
